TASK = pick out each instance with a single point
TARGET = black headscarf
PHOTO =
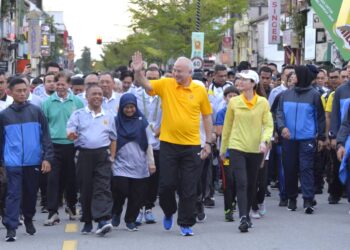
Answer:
(304, 76)
(131, 128)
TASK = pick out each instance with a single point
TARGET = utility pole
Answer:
(198, 15)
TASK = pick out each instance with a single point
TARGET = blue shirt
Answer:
(219, 121)
(94, 130)
(112, 104)
(275, 92)
(34, 99)
(39, 90)
(82, 97)
(150, 106)
(220, 117)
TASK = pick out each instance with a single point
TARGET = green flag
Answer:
(335, 16)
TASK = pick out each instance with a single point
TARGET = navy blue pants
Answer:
(22, 188)
(281, 177)
(298, 157)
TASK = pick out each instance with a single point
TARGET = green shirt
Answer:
(57, 112)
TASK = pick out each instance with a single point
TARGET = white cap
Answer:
(249, 74)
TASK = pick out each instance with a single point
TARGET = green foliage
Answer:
(5, 8)
(119, 53)
(163, 29)
(299, 22)
(85, 63)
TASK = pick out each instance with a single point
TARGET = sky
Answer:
(85, 20)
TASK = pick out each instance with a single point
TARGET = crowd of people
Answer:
(91, 142)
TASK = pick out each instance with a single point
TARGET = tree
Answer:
(119, 53)
(163, 28)
(84, 64)
(171, 22)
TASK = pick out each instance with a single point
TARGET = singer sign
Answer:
(274, 21)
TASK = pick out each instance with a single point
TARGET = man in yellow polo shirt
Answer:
(180, 152)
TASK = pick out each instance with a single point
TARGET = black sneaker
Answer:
(52, 219)
(11, 235)
(275, 185)
(308, 207)
(30, 229)
(131, 227)
(229, 215)
(201, 217)
(292, 204)
(243, 225)
(116, 220)
(318, 191)
(333, 200)
(71, 211)
(87, 228)
(209, 202)
(250, 223)
(44, 210)
(283, 203)
(103, 227)
(234, 206)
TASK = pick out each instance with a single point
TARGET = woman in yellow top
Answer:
(247, 130)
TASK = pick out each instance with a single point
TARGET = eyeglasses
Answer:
(334, 77)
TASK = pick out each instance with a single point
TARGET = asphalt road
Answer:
(327, 229)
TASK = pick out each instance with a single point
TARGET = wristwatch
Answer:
(331, 135)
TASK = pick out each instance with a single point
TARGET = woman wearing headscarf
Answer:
(301, 121)
(134, 161)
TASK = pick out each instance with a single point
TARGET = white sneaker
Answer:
(262, 209)
(255, 214)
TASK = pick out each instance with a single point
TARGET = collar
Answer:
(250, 104)
(30, 96)
(57, 98)
(82, 95)
(94, 115)
(113, 97)
(189, 87)
(217, 86)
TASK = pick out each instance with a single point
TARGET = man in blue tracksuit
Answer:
(343, 151)
(25, 148)
(340, 105)
(300, 120)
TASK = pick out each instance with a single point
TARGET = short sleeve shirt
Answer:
(329, 102)
(181, 110)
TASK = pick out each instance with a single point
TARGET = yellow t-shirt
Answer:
(329, 102)
(323, 100)
(181, 110)
(246, 125)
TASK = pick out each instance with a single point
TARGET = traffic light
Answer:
(99, 40)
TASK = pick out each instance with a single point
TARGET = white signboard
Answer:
(274, 21)
(310, 43)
